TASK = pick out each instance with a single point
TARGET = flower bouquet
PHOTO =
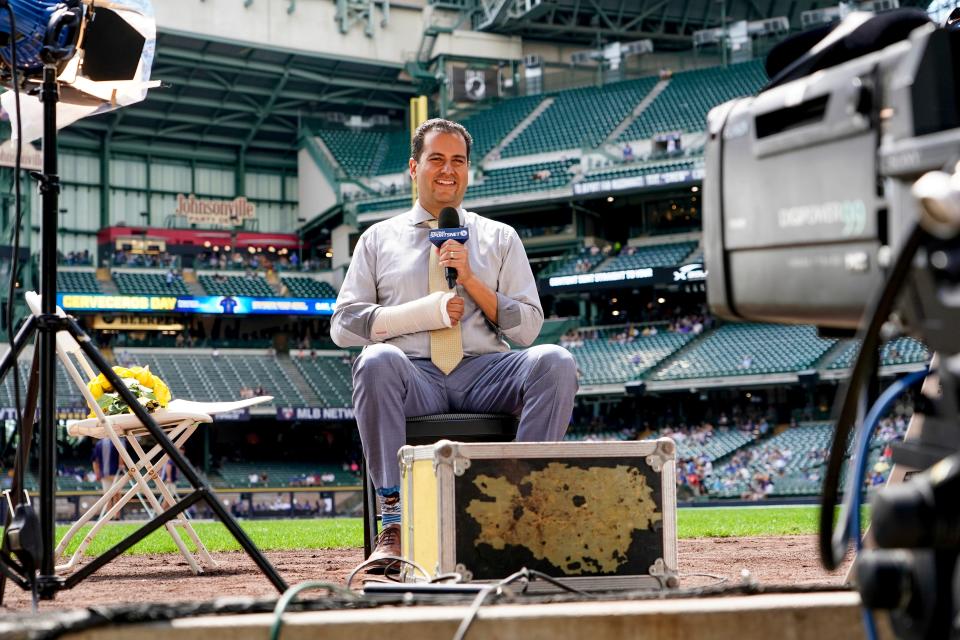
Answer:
(150, 391)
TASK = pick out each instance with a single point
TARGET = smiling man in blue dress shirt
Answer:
(386, 306)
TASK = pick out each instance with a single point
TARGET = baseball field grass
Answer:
(332, 533)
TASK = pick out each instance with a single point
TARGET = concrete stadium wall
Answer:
(316, 193)
(310, 27)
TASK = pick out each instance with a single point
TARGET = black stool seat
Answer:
(462, 427)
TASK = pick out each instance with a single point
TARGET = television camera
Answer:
(833, 198)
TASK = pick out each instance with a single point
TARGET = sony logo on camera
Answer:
(439, 236)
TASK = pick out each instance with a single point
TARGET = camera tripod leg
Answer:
(25, 436)
(199, 485)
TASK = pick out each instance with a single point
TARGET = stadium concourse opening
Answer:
(205, 233)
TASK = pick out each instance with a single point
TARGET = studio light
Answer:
(103, 53)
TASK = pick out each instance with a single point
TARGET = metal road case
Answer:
(597, 515)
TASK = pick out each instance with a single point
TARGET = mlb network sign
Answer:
(314, 414)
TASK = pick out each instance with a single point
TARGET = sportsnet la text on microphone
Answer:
(439, 236)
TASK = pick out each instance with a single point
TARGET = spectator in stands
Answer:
(382, 307)
(627, 153)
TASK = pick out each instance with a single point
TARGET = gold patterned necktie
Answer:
(446, 345)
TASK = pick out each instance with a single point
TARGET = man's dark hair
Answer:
(437, 124)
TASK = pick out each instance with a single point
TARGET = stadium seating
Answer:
(330, 377)
(581, 262)
(663, 255)
(280, 473)
(144, 284)
(302, 287)
(684, 104)
(580, 118)
(492, 125)
(645, 169)
(747, 349)
(355, 151)
(603, 361)
(723, 443)
(394, 153)
(248, 285)
(384, 204)
(512, 180)
(68, 395)
(900, 351)
(800, 475)
(215, 378)
(77, 282)
(543, 176)
(599, 436)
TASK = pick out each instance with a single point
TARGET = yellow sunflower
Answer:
(149, 389)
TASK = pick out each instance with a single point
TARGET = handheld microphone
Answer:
(449, 228)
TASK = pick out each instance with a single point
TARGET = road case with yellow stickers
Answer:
(598, 515)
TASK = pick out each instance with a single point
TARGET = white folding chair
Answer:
(179, 420)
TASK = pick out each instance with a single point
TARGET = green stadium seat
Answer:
(747, 349)
(203, 377)
(330, 377)
(248, 285)
(900, 351)
(77, 281)
(580, 118)
(145, 284)
(605, 361)
(664, 255)
(306, 287)
(684, 104)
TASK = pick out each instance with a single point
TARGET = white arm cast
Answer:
(424, 314)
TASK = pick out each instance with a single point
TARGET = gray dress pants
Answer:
(538, 384)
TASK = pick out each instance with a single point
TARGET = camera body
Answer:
(807, 185)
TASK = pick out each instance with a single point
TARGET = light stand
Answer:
(22, 566)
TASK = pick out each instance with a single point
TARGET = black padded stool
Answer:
(462, 427)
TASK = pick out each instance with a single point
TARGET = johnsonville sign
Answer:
(228, 213)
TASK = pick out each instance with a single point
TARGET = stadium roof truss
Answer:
(669, 23)
(231, 101)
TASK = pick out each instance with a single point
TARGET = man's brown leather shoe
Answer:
(388, 543)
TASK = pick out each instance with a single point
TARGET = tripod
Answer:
(29, 562)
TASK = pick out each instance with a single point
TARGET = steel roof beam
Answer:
(229, 121)
(173, 151)
(269, 68)
(128, 130)
(611, 33)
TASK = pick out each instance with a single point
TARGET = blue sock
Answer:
(389, 498)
